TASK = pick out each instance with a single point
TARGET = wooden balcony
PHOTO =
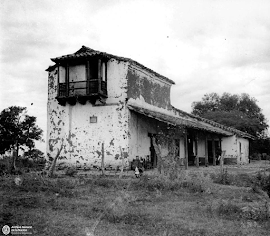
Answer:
(81, 91)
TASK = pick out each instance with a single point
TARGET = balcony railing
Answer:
(83, 88)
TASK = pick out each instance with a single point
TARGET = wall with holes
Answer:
(82, 129)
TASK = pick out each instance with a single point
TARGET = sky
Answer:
(204, 46)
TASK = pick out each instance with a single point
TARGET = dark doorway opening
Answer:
(191, 154)
(217, 151)
(177, 147)
(210, 151)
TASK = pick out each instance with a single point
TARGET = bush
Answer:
(263, 181)
(228, 209)
(223, 177)
(104, 182)
(4, 165)
(71, 171)
(160, 182)
(265, 156)
(25, 201)
(243, 180)
(37, 183)
(255, 156)
(22, 164)
(260, 213)
(164, 183)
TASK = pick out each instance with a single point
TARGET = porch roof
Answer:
(215, 124)
(178, 121)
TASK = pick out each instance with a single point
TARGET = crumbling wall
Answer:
(82, 140)
(141, 126)
(148, 88)
(139, 140)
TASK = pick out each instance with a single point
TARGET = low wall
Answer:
(230, 161)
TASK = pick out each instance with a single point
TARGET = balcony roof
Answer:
(86, 52)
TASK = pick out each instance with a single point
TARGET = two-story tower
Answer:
(88, 93)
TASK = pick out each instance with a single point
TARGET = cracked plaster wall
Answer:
(139, 140)
(140, 127)
(148, 91)
(232, 147)
(148, 88)
(82, 141)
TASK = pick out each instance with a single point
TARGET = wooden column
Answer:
(58, 79)
(186, 150)
(99, 69)
(67, 80)
(214, 152)
(221, 162)
(87, 71)
(196, 150)
(99, 75)
(206, 151)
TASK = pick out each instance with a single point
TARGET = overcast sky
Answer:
(204, 46)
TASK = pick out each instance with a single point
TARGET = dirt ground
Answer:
(91, 205)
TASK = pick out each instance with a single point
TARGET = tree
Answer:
(17, 131)
(53, 164)
(238, 111)
(34, 154)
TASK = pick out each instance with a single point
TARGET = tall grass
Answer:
(36, 183)
(263, 181)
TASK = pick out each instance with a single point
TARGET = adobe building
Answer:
(102, 105)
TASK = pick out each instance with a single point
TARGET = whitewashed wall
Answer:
(182, 147)
(139, 141)
(201, 147)
(232, 147)
(244, 154)
(82, 141)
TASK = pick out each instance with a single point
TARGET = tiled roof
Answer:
(85, 52)
(215, 124)
(179, 121)
(50, 68)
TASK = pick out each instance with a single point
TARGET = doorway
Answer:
(217, 150)
(210, 151)
(191, 154)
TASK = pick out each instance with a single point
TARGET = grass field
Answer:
(152, 205)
